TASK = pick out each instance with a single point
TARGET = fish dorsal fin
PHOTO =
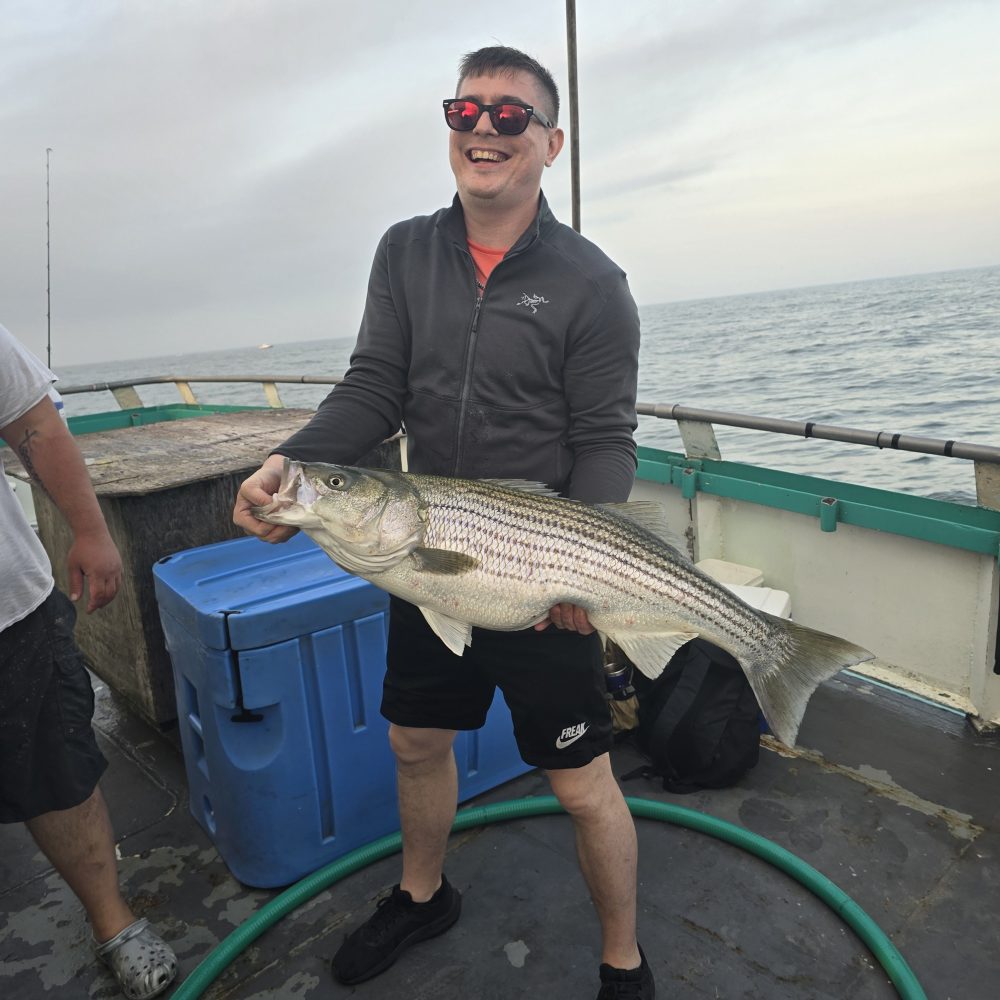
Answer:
(523, 485)
(652, 652)
(443, 561)
(454, 634)
(648, 514)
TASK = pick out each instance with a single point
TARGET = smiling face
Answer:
(503, 173)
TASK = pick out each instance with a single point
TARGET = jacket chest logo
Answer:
(532, 302)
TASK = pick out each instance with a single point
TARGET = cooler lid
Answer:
(244, 593)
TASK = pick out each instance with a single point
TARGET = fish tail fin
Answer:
(783, 688)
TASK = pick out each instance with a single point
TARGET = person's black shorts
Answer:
(49, 758)
(553, 683)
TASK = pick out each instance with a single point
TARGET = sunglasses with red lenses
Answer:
(509, 118)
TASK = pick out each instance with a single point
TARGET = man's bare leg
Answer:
(428, 797)
(607, 849)
(80, 844)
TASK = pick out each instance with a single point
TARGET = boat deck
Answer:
(894, 800)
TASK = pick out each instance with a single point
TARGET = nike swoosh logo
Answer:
(561, 744)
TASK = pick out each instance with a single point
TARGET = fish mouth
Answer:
(293, 490)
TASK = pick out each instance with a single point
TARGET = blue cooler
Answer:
(278, 657)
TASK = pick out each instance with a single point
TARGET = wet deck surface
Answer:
(896, 802)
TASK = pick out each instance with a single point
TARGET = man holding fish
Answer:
(507, 346)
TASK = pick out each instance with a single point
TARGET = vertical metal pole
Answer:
(574, 112)
(48, 268)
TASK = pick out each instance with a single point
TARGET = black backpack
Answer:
(699, 721)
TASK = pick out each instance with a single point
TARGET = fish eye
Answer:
(335, 481)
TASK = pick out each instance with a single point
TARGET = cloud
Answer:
(221, 172)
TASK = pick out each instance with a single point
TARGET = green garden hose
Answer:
(227, 951)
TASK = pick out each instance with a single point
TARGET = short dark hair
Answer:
(497, 59)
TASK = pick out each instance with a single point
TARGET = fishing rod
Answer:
(48, 267)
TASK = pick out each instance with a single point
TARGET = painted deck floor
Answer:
(895, 801)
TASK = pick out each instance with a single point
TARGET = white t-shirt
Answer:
(26, 577)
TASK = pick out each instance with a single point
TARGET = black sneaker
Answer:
(396, 924)
(633, 984)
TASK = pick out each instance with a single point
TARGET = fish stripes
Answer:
(498, 555)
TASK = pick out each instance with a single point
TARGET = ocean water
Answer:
(915, 355)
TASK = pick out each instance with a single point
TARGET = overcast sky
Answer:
(221, 171)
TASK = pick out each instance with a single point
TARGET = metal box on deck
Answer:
(278, 657)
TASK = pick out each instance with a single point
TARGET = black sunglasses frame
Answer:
(493, 111)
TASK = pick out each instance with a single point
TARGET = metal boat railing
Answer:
(127, 397)
(694, 424)
(696, 431)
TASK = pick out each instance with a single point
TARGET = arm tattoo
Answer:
(24, 454)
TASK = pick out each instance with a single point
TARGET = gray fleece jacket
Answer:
(535, 380)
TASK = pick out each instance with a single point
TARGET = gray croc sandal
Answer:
(143, 963)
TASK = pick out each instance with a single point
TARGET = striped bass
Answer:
(497, 554)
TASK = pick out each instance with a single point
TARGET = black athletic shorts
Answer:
(49, 758)
(552, 681)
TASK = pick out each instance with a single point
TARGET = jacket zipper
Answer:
(473, 331)
(467, 376)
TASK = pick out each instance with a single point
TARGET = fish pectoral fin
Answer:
(652, 652)
(454, 634)
(443, 561)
